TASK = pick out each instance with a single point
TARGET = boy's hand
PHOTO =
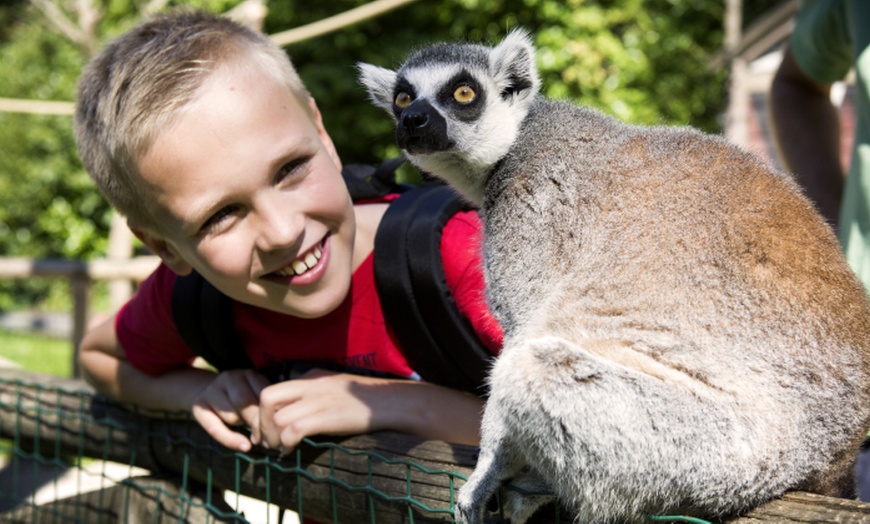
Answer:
(231, 399)
(319, 402)
(326, 402)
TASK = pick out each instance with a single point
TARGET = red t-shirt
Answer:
(355, 334)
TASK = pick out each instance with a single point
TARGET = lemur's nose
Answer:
(415, 120)
(422, 129)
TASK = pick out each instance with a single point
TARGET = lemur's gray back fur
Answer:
(682, 333)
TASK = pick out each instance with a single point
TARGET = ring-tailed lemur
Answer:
(682, 333)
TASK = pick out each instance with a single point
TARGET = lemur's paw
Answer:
(468, 511)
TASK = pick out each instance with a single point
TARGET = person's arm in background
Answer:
(806, 129)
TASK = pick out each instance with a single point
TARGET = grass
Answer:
(37, 353)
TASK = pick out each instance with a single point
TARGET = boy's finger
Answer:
(250, 414)
(240, 408)
(314, 424)
(301, 419)
(265, 427)
(272, 400)
(215, 427)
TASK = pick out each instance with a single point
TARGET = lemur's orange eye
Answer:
(464, 94)
(403, 100)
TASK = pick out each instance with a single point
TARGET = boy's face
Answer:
(251, 196)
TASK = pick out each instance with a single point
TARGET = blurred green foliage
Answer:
(645, 61)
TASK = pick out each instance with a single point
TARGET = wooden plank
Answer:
(808, 507)
(136, 268)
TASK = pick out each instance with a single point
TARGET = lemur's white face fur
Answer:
(458, 107)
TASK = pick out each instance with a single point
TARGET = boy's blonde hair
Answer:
(139, 83)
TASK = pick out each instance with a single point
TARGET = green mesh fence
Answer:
(94, 461)
(71, 456)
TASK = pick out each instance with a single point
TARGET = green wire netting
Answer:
(70, 456)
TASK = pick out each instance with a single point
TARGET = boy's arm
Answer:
(216, 401)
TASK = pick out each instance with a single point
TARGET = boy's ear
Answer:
(321, 132)
(163, 249)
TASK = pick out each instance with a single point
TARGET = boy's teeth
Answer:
(302, 265)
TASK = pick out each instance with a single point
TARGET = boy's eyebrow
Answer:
(300, 147)
(188, 226)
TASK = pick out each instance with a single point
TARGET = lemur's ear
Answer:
(512, 65)
(379, 82)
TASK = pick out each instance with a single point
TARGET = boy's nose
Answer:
(279, 226)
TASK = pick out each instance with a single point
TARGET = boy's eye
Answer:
(292, 167)
(213, 223)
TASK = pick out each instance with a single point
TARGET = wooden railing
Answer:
(364, 478)
(349, 477)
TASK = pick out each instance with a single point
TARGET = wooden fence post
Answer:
(80, 274)
(81, 292)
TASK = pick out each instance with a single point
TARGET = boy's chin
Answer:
(315, 305)
(311, 312)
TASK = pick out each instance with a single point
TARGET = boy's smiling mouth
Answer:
(307, 267)
(301, 265)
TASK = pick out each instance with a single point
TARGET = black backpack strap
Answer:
(438, 341)
(204, 319)
(366, 182)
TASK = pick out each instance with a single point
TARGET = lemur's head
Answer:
(458, 107)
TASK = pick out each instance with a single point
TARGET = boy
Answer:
(200, 132)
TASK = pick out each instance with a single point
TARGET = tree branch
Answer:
(334, 23)
(60, 21)
(35, 107)
(89, 15)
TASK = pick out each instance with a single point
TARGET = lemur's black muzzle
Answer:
(421, 129)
